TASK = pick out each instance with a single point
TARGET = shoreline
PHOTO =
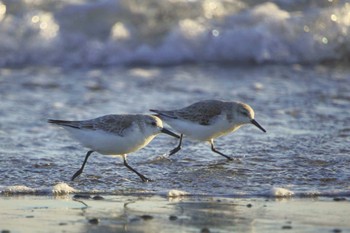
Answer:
(154, 213)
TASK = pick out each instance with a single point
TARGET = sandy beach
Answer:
(154, 213)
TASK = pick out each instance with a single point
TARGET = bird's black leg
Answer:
(143, 178)
(176, 149)
(216, 151)
(82, 167)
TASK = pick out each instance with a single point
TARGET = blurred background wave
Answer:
(85, 33)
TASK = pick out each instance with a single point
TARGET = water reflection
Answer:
(154, 213)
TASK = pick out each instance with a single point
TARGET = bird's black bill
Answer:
(254, 122)
(166, 131)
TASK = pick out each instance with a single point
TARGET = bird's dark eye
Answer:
(154, 123)
(244, 113)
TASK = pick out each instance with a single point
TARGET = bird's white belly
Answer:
(108, 143)
(201, 132)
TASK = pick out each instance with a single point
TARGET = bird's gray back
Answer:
(116, 124)
(202, 112)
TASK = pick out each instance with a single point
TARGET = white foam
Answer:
(62, 189)
(101, 33)
(281, 192)
(17, 189)
(176, 193)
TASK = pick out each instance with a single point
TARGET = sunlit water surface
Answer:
(305, 110)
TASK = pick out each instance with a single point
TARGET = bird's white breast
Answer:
(111, 144)
(218, 128)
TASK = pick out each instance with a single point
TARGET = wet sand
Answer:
(153, 213)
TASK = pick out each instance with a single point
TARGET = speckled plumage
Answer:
(205, 112)
(115, 134)
(208, 119)
(115, 124)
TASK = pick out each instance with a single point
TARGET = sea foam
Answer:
(62, 189)
(108, 33)
(57, 189)
(176, 193)
(280, 192)
(17, 189)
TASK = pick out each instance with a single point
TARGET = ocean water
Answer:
(305, 111)
(84, 33)
(78, 60)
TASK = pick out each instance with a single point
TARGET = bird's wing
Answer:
(72, 124)
(117, 124)
(161, 113)
(199, 112)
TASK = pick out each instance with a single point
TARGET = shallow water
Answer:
(159, 214)
(305, 110)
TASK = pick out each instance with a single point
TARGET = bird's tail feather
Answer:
(163, 113)
(63, 123)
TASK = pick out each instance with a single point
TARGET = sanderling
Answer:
(115, 135)
(207, 120)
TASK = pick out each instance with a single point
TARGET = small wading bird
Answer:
(114, 135)
(207, 120)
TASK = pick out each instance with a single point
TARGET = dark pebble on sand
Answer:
(337, 230)
(94, 221)
(172, 217)
(205, 230)
(339, 199)
(30, 216)
(82, 196)
(286, 227)
(249, 205)
(98, 197)
(5, 231)
(146, 217)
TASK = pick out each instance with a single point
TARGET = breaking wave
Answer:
(129, 32)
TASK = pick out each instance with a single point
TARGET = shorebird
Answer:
(115, 135)
(207, 120)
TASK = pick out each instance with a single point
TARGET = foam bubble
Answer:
(281, 192)
(110, 33)
(17, 189)
(62, 189)
(176, 193)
